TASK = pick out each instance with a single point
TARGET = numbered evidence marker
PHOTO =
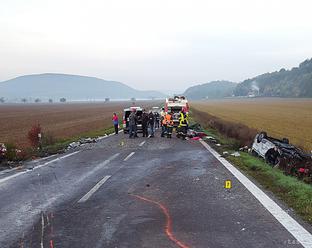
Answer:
(228, 184)
(122, 143)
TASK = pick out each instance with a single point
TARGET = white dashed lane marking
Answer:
(129, 156)
(94, 189)
(142, 143)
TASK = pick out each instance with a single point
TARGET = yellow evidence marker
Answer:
(228, 184)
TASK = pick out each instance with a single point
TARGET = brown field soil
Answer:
(61, 120)
(291, 118)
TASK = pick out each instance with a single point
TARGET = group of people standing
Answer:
(167, 124)
(150, 121)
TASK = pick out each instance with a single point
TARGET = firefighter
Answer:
(183, 125)
(169, 124)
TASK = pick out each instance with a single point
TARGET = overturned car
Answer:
(279, 152)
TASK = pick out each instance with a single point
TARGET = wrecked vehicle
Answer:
(281, 153)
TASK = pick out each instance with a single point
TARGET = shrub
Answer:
(240, 132)
(33, 135)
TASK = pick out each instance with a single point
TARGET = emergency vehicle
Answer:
(175, 105)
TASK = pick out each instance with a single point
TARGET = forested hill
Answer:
(212, 90)
(296, 82)
(72, 87)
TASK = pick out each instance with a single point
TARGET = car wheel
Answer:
(261, 136)
(285, 140)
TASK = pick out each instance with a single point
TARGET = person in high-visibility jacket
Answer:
(183, 125)
(169, 125)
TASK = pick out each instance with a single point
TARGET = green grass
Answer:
(295, 193)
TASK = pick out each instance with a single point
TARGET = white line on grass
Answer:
(94, 189)
(129, 156)
(292, 226)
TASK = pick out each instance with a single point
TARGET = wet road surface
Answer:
(154, 192)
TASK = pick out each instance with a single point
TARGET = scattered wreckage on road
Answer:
(282, 154)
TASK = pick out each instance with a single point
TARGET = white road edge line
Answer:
(291, 225)
(129, 156)
(37, 167)
(142, 143)
(94, 189)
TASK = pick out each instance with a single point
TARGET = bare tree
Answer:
(50, 100)
(2, 100)
(37, 100)
(24, 100)
(63, 99)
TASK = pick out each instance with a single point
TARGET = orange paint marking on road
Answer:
(168, 227)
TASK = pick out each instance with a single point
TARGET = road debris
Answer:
(81, 142)
(235, 154)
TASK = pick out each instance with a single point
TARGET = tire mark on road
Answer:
(168, 227)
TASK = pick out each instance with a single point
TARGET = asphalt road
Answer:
(119, 193)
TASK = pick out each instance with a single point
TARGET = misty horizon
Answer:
(154, 45)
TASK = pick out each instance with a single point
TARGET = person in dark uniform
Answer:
(144, 123)
(151, 123)
(157, 119)
(133, 124)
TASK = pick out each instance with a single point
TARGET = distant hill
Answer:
(71, 87)
(212, 90)
(296, 82)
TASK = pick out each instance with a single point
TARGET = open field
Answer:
(291, 118)
(61, 120)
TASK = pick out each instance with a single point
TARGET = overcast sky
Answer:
(161, 44)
